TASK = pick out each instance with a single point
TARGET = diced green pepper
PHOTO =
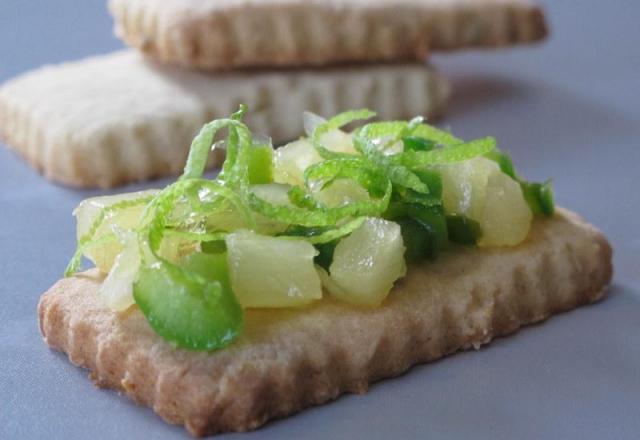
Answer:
(433, 181)
(192, 306)
(325, 254)
(213, 247)
(434, 221)
(504, 162)
(417, 240)
(424, 229)
(463, 230)
(539, 197)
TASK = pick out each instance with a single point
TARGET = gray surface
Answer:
(567, 109)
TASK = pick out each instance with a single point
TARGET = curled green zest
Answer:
(324, 173)
(440, 156)
(320, 217)
(335, 123)
(396, 172)
(239, 136)
(329, 235)
(301, 198)
(440, 137)
(387, 132)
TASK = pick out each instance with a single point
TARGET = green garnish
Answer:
(260, 168)
(539, 196)
(192, 306)
(325, 254)
(463, 230)
(418, 240)
(186, 233)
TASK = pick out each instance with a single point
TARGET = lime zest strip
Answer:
(356, 168)
(85, 242)
(441, 137)
(439, 156)
(335, 123)
(321, 236)
(320, 217)
(196, 236)
(239, 135)
(395, 130)
(339, 232)
(395, 171)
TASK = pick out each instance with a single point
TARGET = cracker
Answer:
(120, 118)
(224, 34)
(287, 360)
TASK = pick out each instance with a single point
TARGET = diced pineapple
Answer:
(272, 272)
(342, 192)
(477, 189)
(395, 148)
(291, 160)
(89, 209)
(329, 284)
(277, 194)
(464, 186)
(507, 216)
(175, 248)
(116, 290)
(230, 219)
(338, 141)
(367, 263)
(227, 219)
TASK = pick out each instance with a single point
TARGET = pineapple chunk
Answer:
(479, 190)
(291, 160)
(507, 217)
(338, 141)
(272, 272)
(116, 290)
(87, 212)
(367, 263)
(342, 192)
(464, 186)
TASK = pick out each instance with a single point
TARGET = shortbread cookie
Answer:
(120, 118)
(288, 359)
(224, 34)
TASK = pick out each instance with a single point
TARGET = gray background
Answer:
(567, 109)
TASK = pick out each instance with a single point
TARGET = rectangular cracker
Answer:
(119, 118)
(225, 34)
(286, 360)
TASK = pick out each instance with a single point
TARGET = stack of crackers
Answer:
(130, 115)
